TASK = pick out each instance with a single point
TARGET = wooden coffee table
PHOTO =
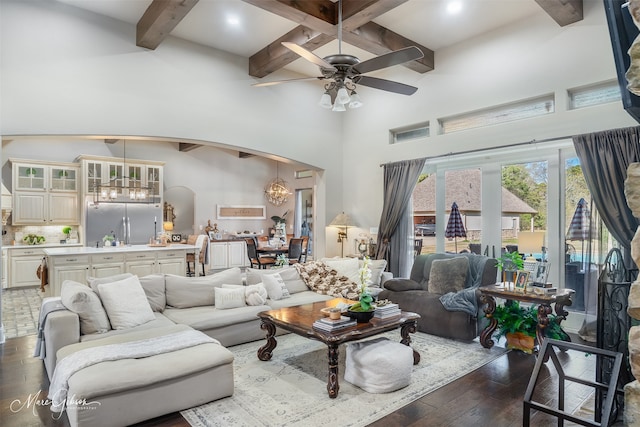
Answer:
(299, 320)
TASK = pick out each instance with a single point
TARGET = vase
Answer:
(361, 316)
(520, 341)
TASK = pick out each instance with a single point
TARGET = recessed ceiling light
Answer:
(233, 20)
(454, 6)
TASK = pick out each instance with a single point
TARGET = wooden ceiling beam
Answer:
(564, 12)
(160, 18)
(379, 40)
(317, 28)
(187, 146)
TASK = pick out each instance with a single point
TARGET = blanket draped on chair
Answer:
(321, 278)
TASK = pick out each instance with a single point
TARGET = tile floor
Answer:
(20, 311)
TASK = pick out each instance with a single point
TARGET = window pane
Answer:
(524, 208)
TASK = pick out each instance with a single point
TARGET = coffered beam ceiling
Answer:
(160, 18)
(318, 25)
(318, 21)
(564, 12)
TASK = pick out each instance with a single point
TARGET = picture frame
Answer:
(522, 277)
(541, 273)
(242, 212)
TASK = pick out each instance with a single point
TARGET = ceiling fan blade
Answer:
(388, 85)
(308, 55)
(396, 57)
(277, 82)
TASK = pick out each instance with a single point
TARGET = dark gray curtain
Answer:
(400, 179)
(604, 157)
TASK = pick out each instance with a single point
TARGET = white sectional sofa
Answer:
(133, 390)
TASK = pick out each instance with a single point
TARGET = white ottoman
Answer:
(378, 365)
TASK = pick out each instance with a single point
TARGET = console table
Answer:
(489, 293)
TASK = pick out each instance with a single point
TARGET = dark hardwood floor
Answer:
(489, 396)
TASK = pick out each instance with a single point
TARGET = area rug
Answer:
(290, 389)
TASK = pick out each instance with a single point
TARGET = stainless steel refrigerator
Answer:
(132, 223)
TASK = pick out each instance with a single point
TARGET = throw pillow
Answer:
(377, 267)
(185, 292)
(289, 274)
(348, 267)
(81, 300)
(229, 298)
(276, 289)
(253, 294)
(126, 303)
(448, 275)
(95, 281)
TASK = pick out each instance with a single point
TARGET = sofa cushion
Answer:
(289, 274)
(448, 275)
(153, 286)
(184, 292)
(126, 303)
(348, 267)
(81, 300)
(229, 297)
(300, 298)
(207, 318)
(400, 285)
(276, 289)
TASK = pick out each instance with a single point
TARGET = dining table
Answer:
(275, 250)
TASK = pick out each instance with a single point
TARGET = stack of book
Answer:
(387, 311)
(332, 325)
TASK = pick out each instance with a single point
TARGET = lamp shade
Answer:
(167, 225)
(343, 96)
(342, 220)
(325, 100)
(530, 242)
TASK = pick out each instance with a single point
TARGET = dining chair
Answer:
(254, 258)
(295, 250)
(202, 241)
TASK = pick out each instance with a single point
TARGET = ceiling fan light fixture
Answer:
(342, 97)
(355, 102)
(325, 100)
(338, 107)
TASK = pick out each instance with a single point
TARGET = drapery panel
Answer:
(400, 179)
(604, 158)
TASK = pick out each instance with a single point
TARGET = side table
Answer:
(489, 293)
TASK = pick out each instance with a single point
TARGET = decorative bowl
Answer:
(361, 316)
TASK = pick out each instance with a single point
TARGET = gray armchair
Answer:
(445, 296)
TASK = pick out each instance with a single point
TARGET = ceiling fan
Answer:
(345, 71)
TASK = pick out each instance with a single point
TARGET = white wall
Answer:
(530, 58)
(216, 176)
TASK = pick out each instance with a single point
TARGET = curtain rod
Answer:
(479, 150)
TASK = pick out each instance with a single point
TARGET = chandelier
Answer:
(276, 191)
(117, 190)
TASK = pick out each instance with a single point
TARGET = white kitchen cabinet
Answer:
(45, 194)
(227, 254)
(140, 263)
(171, 262)
(124, 176)
(107, 265)
(23, 264)
(5, 264)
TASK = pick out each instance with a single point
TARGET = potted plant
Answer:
(108, 240)
(67, 230)
(63, 174)
(509, 262)
(363, 310)
(519, 325)
(31, 172)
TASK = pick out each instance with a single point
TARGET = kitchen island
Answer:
(80, 263)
